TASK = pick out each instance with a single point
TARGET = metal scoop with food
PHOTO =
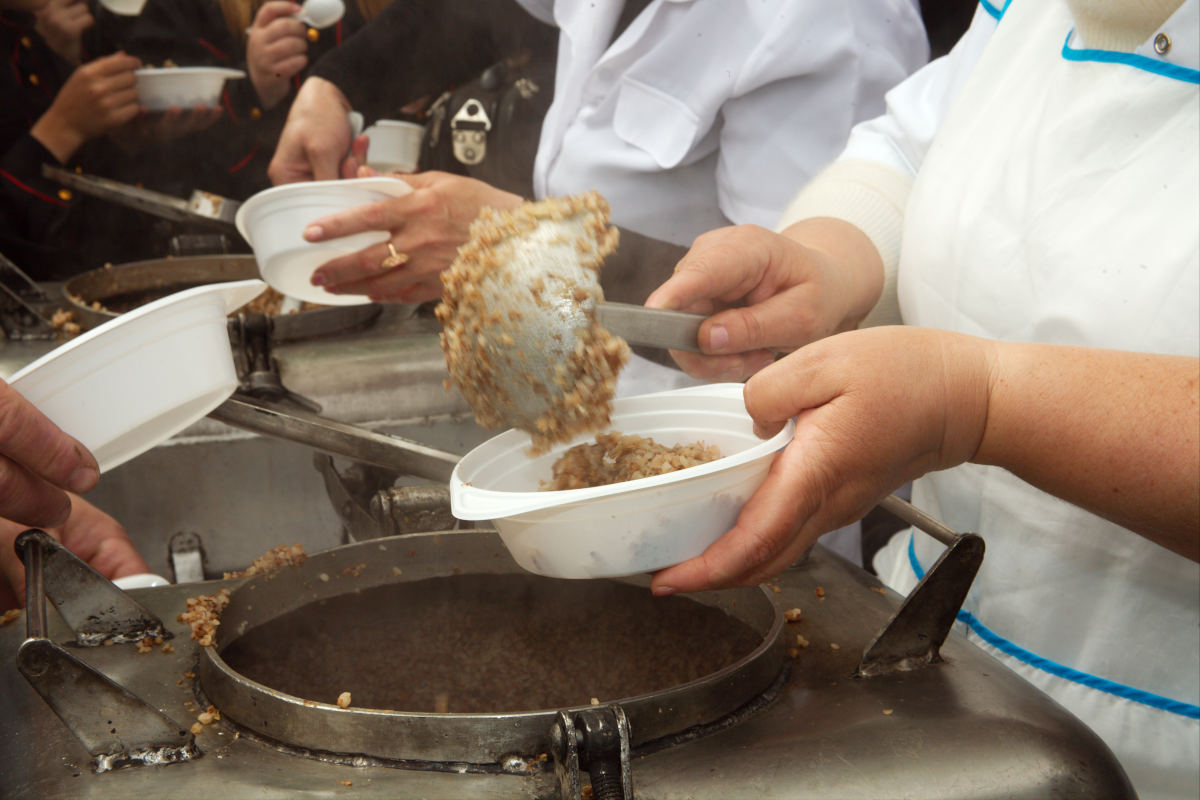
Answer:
(528, 338)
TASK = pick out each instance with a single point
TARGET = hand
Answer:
(427, 225)
(875, 408)
(62, 23)
(89, 533)
(276, 50)
(37, 462)
(315, 137)
(99, 97)
(769, 293)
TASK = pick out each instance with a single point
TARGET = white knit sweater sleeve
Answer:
(868, 184)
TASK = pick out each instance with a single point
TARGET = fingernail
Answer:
(318, 279)
(83, 479)
(663, 591)
(718, 337)
(313, 233)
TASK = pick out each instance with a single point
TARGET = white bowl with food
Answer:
(138, 379)
(633, 526)
(161, 88)
(273, 223)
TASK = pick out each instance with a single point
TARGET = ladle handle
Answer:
(652, 327)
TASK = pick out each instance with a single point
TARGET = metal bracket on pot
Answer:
(115, 726)
(18, 319)
(913, 637)
(596, 739)
(250, 336)
(371, 506)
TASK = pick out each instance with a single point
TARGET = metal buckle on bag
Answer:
(468, 132)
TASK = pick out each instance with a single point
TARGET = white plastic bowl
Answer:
(161, 88)
(273, 222)
(139, 379)
(623, 528)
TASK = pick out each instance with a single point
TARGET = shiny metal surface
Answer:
(335, 438)
(476, 738)
(203, 208)
(966, 729)
(651, 327)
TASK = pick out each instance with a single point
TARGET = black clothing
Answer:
(230, 158)
(49, 232)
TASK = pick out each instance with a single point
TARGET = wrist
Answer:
(971, 369)
(61, 139)
(850, 262)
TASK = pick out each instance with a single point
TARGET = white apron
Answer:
(1060, 203)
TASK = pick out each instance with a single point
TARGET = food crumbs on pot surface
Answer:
(792, 614)
(616, 457)
(495, 299)
(887, 712)
(9, 616)
(204, 615)
(343, 700)
(820, 592)
(274, 559)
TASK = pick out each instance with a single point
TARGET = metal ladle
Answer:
(525, 304)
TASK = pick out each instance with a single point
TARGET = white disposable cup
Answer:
(395, 146)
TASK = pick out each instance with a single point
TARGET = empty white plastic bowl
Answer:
(138, 379)
(273, 223)
(623, 528)
(186, 87)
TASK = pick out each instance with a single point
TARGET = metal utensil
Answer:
(335, 438)
(651, 327)
(205, 208)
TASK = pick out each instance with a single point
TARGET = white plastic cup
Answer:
(395, 146)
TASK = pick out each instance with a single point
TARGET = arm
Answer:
(62, 24)
(276, 50)
(881, 406)
(99, 97)
(89, 533)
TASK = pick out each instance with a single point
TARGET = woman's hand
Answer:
(874, 409)
(1116, 433)
(98, 98)
(276, 50)
(89, 533)
(769, 293)
(427, 226)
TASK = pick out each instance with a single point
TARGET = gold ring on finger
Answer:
(395, 259)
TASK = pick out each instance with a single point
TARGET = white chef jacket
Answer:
(1057, 199)
(706, 112)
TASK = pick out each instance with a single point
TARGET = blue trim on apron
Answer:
(995, 13)
(1144, 63)
(1060, 670)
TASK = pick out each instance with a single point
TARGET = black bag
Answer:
(489, 128)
